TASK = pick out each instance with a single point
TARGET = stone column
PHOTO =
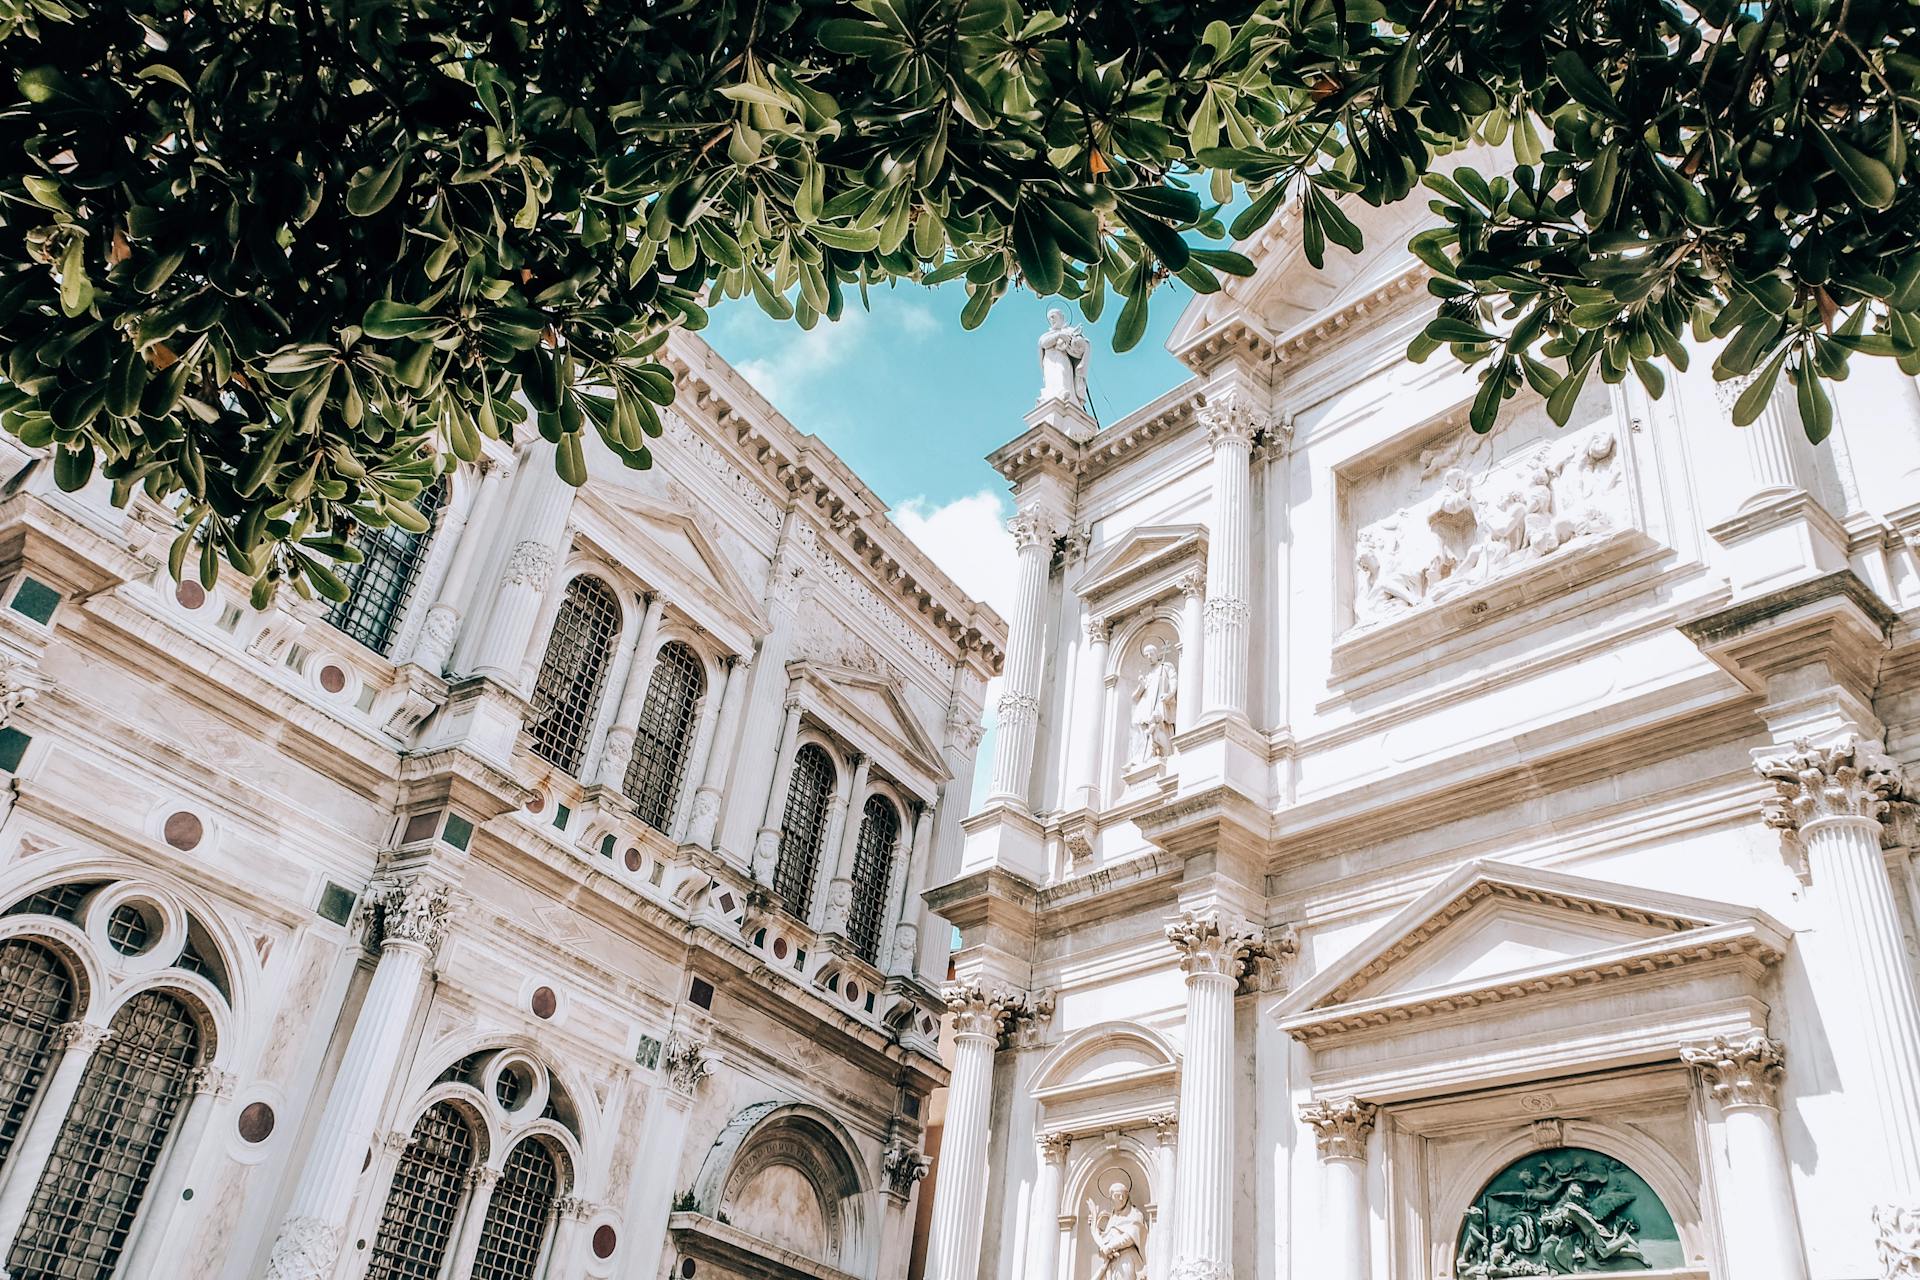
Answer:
(980, 1018)
(411, 916)
(618, 748)
(906, 929)
(1033, 533)
(1213, 956)
(766, 846)
(1762, 1226)
(168, 1215)
(704, 733)
(540, 503)
(1231, 421)
(441, 627)
(1166, 1132)
(78, 1041)
(570, 1216)
(1193, 595)
(466, 1241)
(1832, 798)
(1043, 1234)
(1769, 444)
(843, 839)
(1342, 1126)
(1089, 725)
(685, 1065)
(720, 751)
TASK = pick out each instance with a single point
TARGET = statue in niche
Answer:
(1568, 1212)
(1154, 699)
(1119, 1233)
(1063, 360)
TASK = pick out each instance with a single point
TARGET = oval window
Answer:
(1568, 1211)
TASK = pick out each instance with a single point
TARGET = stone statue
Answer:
(1153, 704)
(1119, 1234)
(1063, 361)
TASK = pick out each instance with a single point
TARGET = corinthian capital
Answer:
(1232, 417)
(1341, 1126)
(1054, 1146)
(1742, 1071)
(1849, 779)
(410, 911)
(1034, 526)
(993, 1012)
(1208, 946)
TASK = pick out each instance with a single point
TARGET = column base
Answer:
(306, 1249)
(1896, 1233)
(1201, 1269)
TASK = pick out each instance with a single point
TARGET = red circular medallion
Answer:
(604, 1240)
(544, 1002)
(184, 830)
(256, 1122)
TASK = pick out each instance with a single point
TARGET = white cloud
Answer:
(968, 539)
(803, 358)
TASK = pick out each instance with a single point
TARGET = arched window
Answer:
(515, 1232)
(567, 691)
(103, 1158)
(1567, 1211)
(36, 996)
(803, 828)
(416, 1226)
(872, 871)
(664, 735)
(379, 587)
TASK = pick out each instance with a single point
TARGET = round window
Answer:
(132, 928)
(511, 1087)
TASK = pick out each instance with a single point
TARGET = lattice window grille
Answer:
(567, 691)
(872, 872)
(62, 900)
(519, 1215)
(664, 736)
(803, 829)
(103, 1158)
(36, 997)
(379, 587)
(429, 1183)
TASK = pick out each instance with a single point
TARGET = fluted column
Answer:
(1762, 1225)
(766, 845)
(441, 627)
(980, 1018)
(410, 916)
(843, 840)
(1033, 533)
(1089, 726)
(1832, 798)
(705, 731)
(1213, 956)
(539, 505)
(1193, 597)
(78, 1041)
(1768, 442)
(1341, 1126)
(713, 776)
(906, 928)
(1231, 421)
(1166, 1183)
(617, 750)
(1043, 1233)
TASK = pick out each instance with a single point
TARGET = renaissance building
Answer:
(1421, 855)
(549, 910)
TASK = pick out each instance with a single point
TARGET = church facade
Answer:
(551, 909)
(1421, 855)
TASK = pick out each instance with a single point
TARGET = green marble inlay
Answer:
(1566, 1212)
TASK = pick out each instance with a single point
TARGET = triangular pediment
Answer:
(870, 711)
(1146, 554)
(1497, 931)
(678, 547)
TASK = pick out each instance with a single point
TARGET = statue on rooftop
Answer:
(1063, 361)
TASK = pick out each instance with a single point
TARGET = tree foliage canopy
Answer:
(282, 257)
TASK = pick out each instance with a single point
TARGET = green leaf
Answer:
(1759, 392)
(374, 187)
(1132, 324)
(1588, 89)
(1869, 180)
(1448, 329)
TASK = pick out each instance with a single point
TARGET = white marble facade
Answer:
(561, 921)
(1415, 855)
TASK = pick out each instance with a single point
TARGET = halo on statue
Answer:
(1113, 1175)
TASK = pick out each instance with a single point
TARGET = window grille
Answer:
(567, 691)
(103, 1158)
(62, 900)
(803, 828)
(517, 1217)
(128, 930)
(36, 996)
(664, 735)
(416, 1225)
(379, 587)
(872, 872)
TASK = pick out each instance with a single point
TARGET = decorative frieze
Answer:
(1742, 1072)
(1848, 779)
(1341, 1126)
